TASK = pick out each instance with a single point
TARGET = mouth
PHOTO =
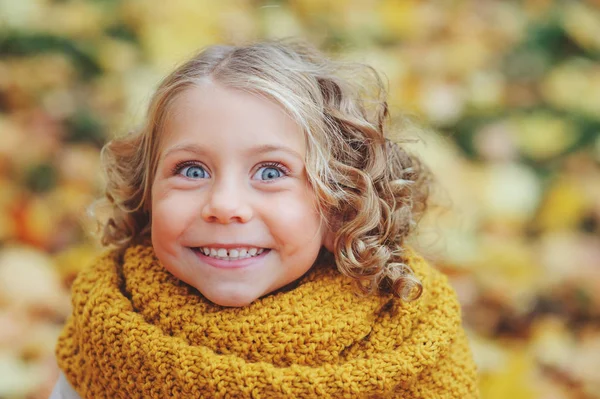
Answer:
(230, 254)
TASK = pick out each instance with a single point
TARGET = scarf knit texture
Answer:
(136, 331)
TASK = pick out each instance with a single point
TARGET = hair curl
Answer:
(370, 190)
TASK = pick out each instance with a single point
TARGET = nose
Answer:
(227, 203)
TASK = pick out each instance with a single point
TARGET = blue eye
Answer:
(269, 173)
(194, 172)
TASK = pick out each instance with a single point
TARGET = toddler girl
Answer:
(258, 222)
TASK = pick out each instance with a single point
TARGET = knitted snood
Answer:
(138, 332)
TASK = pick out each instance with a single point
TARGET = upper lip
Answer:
(228, 246)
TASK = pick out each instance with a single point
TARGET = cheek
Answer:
(172, 213)
(295, 222)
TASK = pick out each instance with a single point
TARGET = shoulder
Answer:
(436, 326)
(63, 390)
(436, 315)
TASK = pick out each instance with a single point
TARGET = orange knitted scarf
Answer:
(138, 332)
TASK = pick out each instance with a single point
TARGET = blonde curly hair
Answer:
(369, 190)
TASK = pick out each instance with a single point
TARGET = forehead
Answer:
(210, 113)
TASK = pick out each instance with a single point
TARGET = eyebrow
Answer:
(200, 150)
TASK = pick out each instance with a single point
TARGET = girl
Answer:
(259, 220)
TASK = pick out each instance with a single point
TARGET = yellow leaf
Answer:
(542, 136)
(582, 23)
(72, 260)
(172, 31)
(116, 55)
(513, 380)
(563, 206)
(399, 17)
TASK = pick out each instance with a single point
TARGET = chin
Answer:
(231, 301)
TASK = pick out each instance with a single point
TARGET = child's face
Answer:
(231, 181)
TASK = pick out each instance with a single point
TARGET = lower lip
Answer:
(230, 264)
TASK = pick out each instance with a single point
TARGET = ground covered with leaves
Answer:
(510, 92)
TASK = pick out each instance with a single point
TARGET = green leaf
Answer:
(85, 127)
(41, 178)
(26, 43)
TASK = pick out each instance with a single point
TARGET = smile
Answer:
(231, 253)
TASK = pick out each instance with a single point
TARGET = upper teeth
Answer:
(231, 254)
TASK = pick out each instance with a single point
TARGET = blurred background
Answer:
(509, 90)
